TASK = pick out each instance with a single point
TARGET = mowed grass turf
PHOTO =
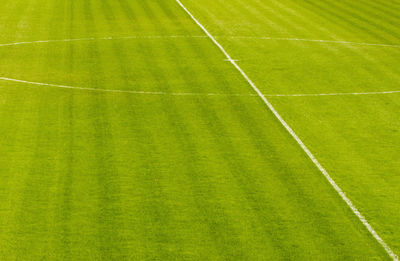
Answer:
(89, 175)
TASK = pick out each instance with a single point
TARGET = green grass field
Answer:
(126, 134)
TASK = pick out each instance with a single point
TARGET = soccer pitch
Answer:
(199, 130)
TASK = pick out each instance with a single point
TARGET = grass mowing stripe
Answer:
(186, 143)
(388, 12)
(298, 140)
(346, 21)
(365, 17)
(368, 9)
(192, 177)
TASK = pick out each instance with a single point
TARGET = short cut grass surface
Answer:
(88, 175)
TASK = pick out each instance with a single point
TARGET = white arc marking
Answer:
(124, 91)
(330, 94)
(298, 140)
(194, 36)
(193, 93)
(106, 38)
(315, 40)
(199, 36)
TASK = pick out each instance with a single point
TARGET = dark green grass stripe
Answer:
(157, 75)
(291, 26)
(220, 231)
(384, 71)
(156, 215)
(268, 15)
(13, 130)
(205, 55)
(256, 14)
(315, 20)
(387, 5)
(217, 228)
(66, 181)
(209, 69)
(366, 14)
(393, 3)
(12, 17)
(202, 56)
(10, 128)
(168, 11)
(108, 13)
(333, 18)
(295, 19)
(110, 220)
(18, 173)
(340, 18)
(60, 20)
(128, 11)
(366, 17)
(378, 10)
(335, 49)
(31, 221)
(383, 68)
(110, 217)
(153, 215)
(267, 213)
(35, 212)
(220, 228)
(62, 231)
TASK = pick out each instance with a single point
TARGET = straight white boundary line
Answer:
(298, 140)
(192, 93)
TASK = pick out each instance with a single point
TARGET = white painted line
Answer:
(193, 93)
(106, 38)
(123, 91)
(330, 94)
(315, 40)
(298, 140)
(199, 36)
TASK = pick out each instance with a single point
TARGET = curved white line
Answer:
(192, 93)
(330, 94)
(187, 93)
(123, 91)
(315, 40)
(105, 38)
(201, 36)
